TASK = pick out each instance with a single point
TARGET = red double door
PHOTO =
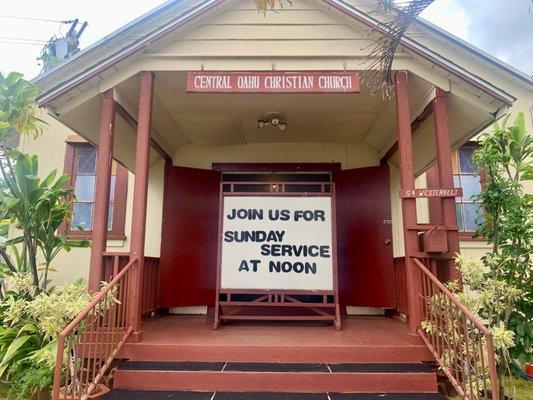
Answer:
(190, 234)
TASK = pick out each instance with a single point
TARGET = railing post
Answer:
(101, 198)
(140, 194)
(445, 177)
(407, 181)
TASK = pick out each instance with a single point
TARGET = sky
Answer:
(503, 28)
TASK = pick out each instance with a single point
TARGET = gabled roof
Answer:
(172, 14)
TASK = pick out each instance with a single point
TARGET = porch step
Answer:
(120, 394)
(411, 353)
(276, 377)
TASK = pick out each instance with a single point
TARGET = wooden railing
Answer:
(460, 342)
(87, 346)
(115, 262)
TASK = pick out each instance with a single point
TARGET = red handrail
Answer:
(92, 340)
(460, 342)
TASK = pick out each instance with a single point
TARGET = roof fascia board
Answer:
(426, 53)
(474, 50)
(128, 51)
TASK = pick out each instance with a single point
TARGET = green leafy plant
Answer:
(505, 161)
(31, 325)
(498, 286)
(32, 313)
(17, 107)
(37, 208)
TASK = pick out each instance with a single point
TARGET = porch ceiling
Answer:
(227, 119)
(181, 118)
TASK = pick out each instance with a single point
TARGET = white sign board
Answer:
(282, 243)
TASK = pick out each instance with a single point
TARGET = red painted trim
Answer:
(424, 115)
(419, 120)
(132, 122)
(101, 197)
(140, 195)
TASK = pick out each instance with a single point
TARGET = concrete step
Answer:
(276, 377)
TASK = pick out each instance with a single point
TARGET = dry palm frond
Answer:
(383, 50)
(273, 5)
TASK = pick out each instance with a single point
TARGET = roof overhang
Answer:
(54, 83)
(180, 119)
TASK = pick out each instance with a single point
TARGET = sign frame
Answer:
(228, 308)
(256, 82)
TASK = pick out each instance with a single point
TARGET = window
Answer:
(469, 212)
(81, 166)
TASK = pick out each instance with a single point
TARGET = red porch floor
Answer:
(191, 338)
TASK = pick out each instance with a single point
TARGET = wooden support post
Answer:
(101, 197)
(140, 195)
(407, 181)
(445, 178)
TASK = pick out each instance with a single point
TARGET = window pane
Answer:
(471, 186)
(112, 188)
(110, 217)
(455, 162)
(86, 160)
(82, 216)
(459, 213)
(456, 184)
(465, 159)
(84, 187)
(473, 216)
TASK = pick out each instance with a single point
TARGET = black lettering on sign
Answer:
(243, 213)
(293, 250)
(309, 215)
(287, 266)
(253, 236)
(281, 215)
(254, 263)
(244, 265)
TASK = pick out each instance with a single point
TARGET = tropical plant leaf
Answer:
(13, 352)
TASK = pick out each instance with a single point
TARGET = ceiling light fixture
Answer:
(272, 119)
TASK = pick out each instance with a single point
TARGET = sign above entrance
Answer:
(273, 82)
(430, 193)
